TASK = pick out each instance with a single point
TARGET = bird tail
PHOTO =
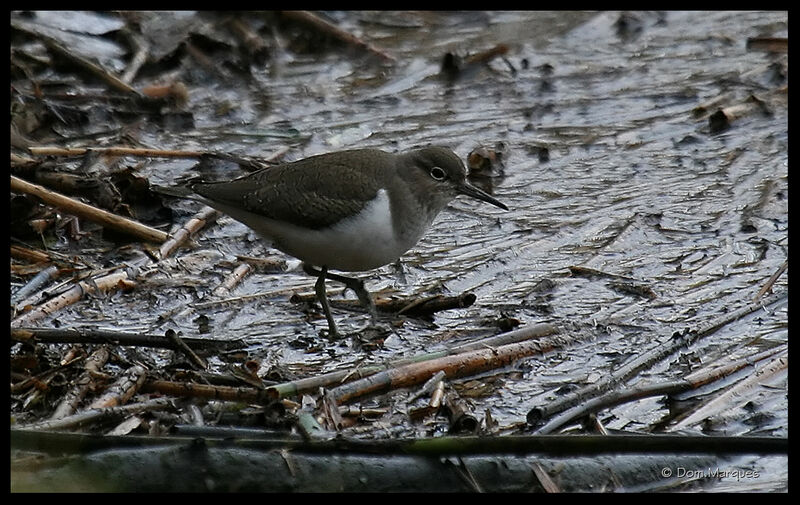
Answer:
(176, 191)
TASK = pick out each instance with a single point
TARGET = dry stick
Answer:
(459, 365)
(109, 78)
(547, 482)
(61, 287)
(28, 254)
(429, 386)
(89, 212)
(488, 55)
(334, 31)
(771, 281)
(591, 273)
(309, 428)
(614, 398)
(409, 306)
(631, 368)
(360, 411)
(139, 57)
(36, 256)
(773, 367)
(43, 377)
(209, 392)
(769, 44)
(621, 283)
(330, 418)
(520, 334)
(240, 299)
(454, 65)
(428, 306)
(207, 215)
(723, 117)
(268, 264)
(93, 364)
(92, 67)
(186, 350)
(95, 415)
(34, 284)
(233, 280)
(123, 389)
(460, 413)
(301, 386)
(111, 281)
(705, 108)
(21, 161)
(437, 395)
(100, 284)
(251, 40)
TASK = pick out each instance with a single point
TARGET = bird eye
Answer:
(438, 173)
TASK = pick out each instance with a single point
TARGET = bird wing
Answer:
(312, 193)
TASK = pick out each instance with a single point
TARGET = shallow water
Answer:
(636, 185)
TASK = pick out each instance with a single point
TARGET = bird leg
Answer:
(357, 285)
(322, 296)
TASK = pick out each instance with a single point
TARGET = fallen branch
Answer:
(102, 284)
(769, 44)
(141, 48)
(723, 117)
(437, 303)
(761, 373)
(460, 414)
(771, 281)
(614, 398)
(123, 389)
(113, 280)
(206, 216)
(454, 366)
(208, 392)
(28, 254)
(233, 280)
(410, 306)
(454, 65)
(89, 212)
(538, 414)
(335, 32)
(308, 384)
(97, 415)
(35, 283)
(52, 44)
(42, 378)
(69, 403)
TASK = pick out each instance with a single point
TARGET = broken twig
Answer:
(89, 212)
(335, 32)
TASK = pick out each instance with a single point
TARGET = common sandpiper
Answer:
(349, 211)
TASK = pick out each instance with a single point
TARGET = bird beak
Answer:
(470, 190)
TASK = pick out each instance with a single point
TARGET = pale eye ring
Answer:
(438, 173)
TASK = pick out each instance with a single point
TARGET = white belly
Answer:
(362, 242)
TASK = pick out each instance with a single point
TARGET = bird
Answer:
(350, 211)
